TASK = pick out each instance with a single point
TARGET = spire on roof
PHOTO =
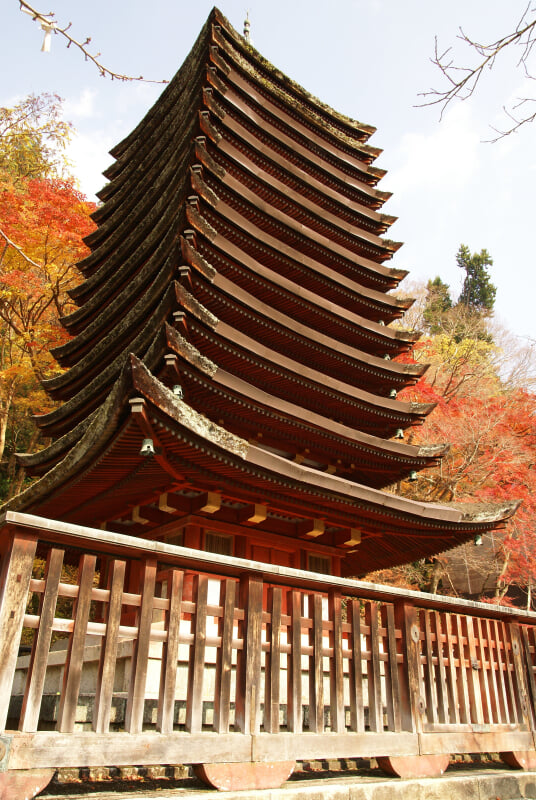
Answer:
(247, 26)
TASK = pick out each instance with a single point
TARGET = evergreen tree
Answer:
(438, 301)
(478, 292)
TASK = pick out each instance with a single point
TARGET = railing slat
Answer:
(484, 674)
(222, 693)
(336, 671)
(37, 668)
(357, 717)
(412, 700)
(75, 653)
(430, 676)
(273, 662)
(374, 669)
(294, 672)
(196, 663)
(493, 669)
(514, 716)
(391, 674)
(473, 683)
(15, 576)
(140, 650)
(529, 668)
(316, 665)
(452, 682)
(170, 653)
(465, 708)
(502, 668)
(108, 655)
(519, 674)
(442, 691)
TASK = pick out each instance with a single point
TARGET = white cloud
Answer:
(446, 157)
(90, 157)
(81, 106)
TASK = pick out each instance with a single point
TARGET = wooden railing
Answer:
(185, 657)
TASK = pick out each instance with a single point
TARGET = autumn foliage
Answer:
(490, 424)
(43, 219)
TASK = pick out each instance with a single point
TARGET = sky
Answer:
(369, 59)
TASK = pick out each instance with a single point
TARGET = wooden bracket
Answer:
(212, 504)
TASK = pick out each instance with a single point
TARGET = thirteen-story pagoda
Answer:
(231, 380)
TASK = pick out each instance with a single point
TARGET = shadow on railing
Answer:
(189, 657)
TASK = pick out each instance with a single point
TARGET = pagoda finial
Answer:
(247, 26)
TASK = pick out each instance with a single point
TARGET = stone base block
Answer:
(252, 775)
(23, 784)
(414, 766)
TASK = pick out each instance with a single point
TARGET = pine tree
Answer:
(478, 292)
(438, 302)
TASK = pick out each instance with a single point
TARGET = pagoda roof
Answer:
(105, 474)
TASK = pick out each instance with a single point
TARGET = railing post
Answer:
(529, 671)
(248, 669)
(15, 575)
(412, 702)
(519, 675)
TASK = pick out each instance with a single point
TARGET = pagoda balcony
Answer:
(150, 653)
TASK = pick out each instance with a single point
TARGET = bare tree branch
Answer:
(18, 249)
(463, 81)
(49, 25)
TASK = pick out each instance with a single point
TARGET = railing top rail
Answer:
(121, 545)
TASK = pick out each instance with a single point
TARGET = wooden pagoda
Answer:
(219, 460)
(235, 314)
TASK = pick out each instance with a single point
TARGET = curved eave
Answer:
(105, 476)
(230, 231)
(42, 461)
(293, 298)
(314, 109)
(286, 425)
(124, 289)
(100, 431)
(148, 345)
(243, 172)
(237, 118)
(358, 258)
(245, 97)
(335, 490)
(239, 354)
(281, 232)
(231, 304)
(136, 237)
(106, 348)
(233, 139)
